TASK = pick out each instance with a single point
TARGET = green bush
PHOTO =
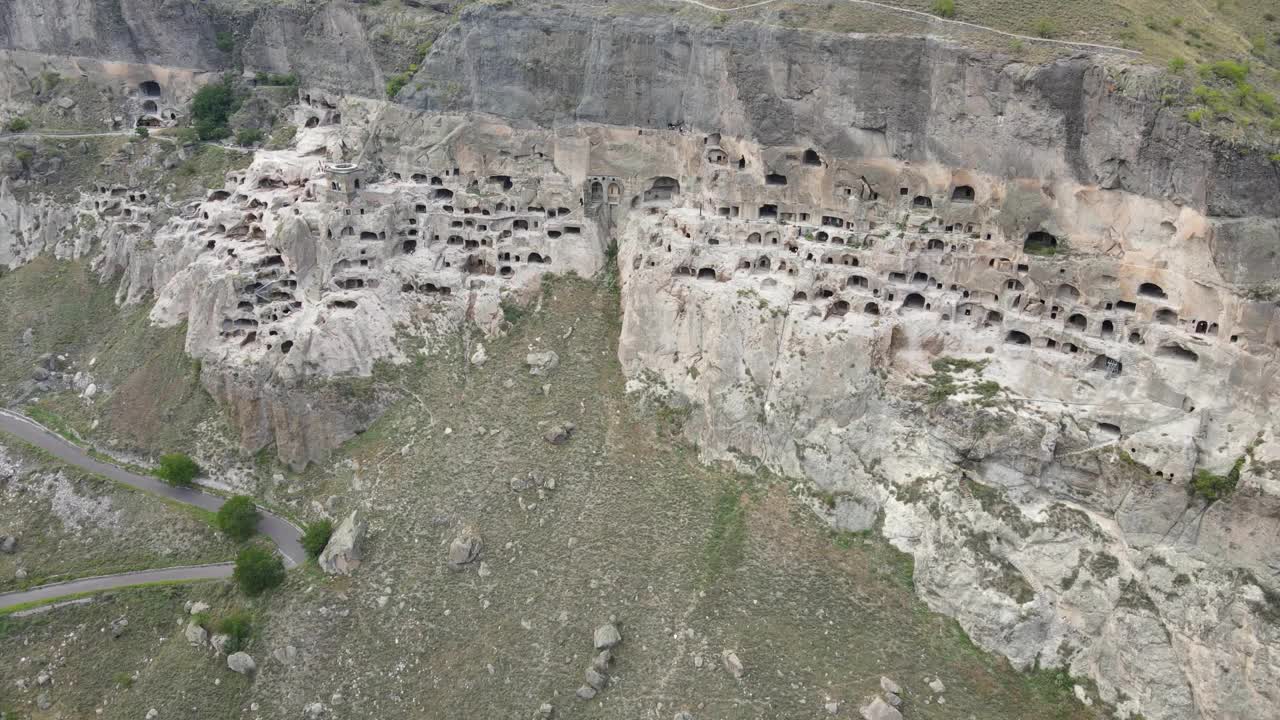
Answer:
(142, 132)
(248, 136)
(1177, 65)
(258, 570)
(177, 469)
(237, 627)
(1213, 487)
(1045, 28)
(225, 41)
(316, 536)
(238, 517)
(19, 124)
(1195, 116)
(395, 83)
(188, 136)
(212, 105)
(944, 8)
(1229, 70)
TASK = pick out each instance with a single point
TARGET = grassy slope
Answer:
(116, 529)
(155, 399)
(149, 666)
(637, 528)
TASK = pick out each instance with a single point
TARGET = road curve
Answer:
(53, 591)
(286, 535)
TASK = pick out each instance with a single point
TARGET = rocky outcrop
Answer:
(346, 547)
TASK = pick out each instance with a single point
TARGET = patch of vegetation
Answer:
(18, 124)
(1213, 487)
(396, 82)
(237, 626)
(238, 518)
(248, 136)
(944, 8)
(723, 549)
(225, 41)
(274, 80)
(258, 570)
(282, 137)
(1045, 28)
(316, 536)
(177, 469)
(211, 109)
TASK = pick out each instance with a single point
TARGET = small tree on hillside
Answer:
(177, 469)
(258, 570)
(238, 517)
(316, 537)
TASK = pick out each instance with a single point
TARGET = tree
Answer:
(238, 517)
(19, 124)
(944, 8)
(316, 536)
(177, 469)
(210, 109)
(257, 570)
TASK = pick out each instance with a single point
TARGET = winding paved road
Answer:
(283, 533)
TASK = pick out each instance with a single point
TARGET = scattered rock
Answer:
(8, 544)
(118, 626)
(560, 434)
(66, 103)
(479, 357)
(90, 391)
(541, 363)
(586, 692)
(484, 570)
(893, 699)
(241, 662)
(196, 635)
(39, 374)
(314, 711)
(607, 636)
(219, 643)
(152, 714)
(342, 555)
(43, 678)
(286, 655)
(937, 686)
(880, 710)
(546, 710)
(464, 549)
(833, 707)
(198, 607)
(520, 484)
(601, 661)
(595, 680)
(43, 702)
(20, 573)
(683, 716)
(890, 686)
(732, 663)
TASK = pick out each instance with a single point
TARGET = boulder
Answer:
(219, 643)
(732, 663)
(601, 661)
(607, 636)
(342, 555)
(314, 711)
(464, 550)
(479, 357)
(8, 544)
(890, 686)
(595, 679)
(937, 686)
(196, 635)
(118, 626)
(542, 363)
(241, 662)
(880, 710)
(198, 607)
(586, 692)
(560, 434)
(546, 711)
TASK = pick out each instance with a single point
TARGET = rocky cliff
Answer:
(1013, 316)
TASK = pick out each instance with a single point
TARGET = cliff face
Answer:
(911, 99)
(1002, 313)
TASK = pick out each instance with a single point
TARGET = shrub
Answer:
(267, 79)
(248, 136)
(238, 517)
(211, 107)
(177, 469)
(1214, 487)
(188, 136)
(1195, 116)
(396, 83)
(19, 124)
(1177, 65)
(1229, 70)
(237, 627)
(142, 132)
(1045, 28)
(944, 8)
(25, 157)
(316, 536)
(225, 41)
(258, 570)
